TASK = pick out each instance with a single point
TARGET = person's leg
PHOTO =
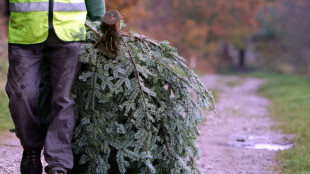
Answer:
(64, 62)
(23, 91)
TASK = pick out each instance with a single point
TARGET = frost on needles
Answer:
(137, 110)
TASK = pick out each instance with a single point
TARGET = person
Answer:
(55, 29)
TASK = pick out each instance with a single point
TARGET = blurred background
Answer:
(219, 36)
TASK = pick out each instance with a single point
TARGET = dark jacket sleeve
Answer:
(95, 9)
(7, 10)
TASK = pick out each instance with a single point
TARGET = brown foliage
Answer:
(195, 27)
(199, 22)
(231, 21)
(128, 8)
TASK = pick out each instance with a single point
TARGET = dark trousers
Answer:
(22, 87)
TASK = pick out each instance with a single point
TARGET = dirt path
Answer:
(10, 153)
(228, 139)
(238, 138)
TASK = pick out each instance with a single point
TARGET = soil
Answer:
(228, 137)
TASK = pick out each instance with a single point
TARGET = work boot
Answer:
(55, 170)
(31, 162)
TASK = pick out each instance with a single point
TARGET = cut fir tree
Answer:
(138, 105)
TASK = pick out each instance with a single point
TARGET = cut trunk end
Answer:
(110, 28)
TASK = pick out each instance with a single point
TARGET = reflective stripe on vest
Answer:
(28, 22)
(28, 6)
(43, 6)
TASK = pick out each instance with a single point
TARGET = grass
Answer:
(234, 83)
(215, 94)
(290, 106)
(3, 70)
(6, 122)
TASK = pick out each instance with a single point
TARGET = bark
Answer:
(225, 53)
(241, 57)
(110, 27)
(226, 59)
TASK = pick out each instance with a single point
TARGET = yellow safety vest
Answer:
(31, 20)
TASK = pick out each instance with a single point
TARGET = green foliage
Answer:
(289, 96)
(6, 122)
(5, 119)
(3, 71)
(137, 112)
(269, 24)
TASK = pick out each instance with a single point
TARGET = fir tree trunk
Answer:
(110, 27)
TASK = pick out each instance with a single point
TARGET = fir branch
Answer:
(168, 68)
(126, 108)
(126, 151)
(93, 29)
(139, 82)
(141, 37)
(94, 81)
(158, 61)
(166, 137)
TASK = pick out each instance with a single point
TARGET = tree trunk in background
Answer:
(4, 13)
(3, 29)
(4, 8)
(225, 54)
(241, 57)
(224, 62)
